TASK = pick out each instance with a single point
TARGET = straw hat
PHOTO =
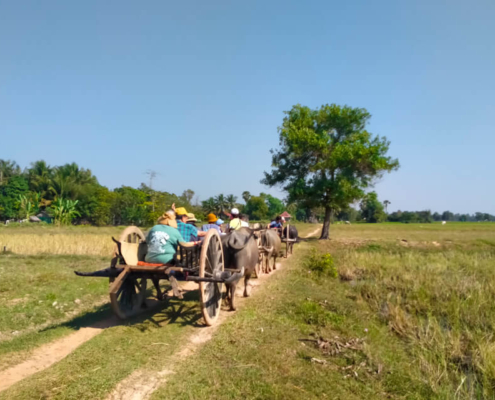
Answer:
(168, 218)
(191, 217)
(212, 218)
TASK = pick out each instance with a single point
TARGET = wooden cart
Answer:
(129, 274)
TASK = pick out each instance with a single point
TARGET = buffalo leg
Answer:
(268, 268)
(275, 262)
(231, 296)
(246, 280)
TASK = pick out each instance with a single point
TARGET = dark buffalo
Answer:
(271, 244)
(292, 237)
(240, 250)
(293, 234)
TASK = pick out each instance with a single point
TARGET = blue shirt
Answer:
(275, 224)
(189, 232)
(207, 227)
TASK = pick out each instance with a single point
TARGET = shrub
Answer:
(321, 264)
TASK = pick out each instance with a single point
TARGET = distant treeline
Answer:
(373, 210)
(69, 194)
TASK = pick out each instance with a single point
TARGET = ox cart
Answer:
(129, 274)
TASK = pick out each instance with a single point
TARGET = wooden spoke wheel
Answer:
(128, 294)
(211, 264)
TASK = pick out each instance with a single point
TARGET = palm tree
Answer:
(209, 205)
(40, 177)
(220, 203)
(8, 168)
(69, 179)
(246, 196)
(386, 203)
(231, 199)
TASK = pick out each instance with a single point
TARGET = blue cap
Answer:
(219, 221)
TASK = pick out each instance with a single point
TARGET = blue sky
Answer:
(196, 90)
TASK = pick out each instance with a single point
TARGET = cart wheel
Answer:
(128, 295)
(131, 234)
(211, 265)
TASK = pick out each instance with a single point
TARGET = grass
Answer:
(412, 322)
(40, 297)
(94, 368)
(410, 315)
(45, 239)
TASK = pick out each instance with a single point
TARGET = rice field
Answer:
(35, 240)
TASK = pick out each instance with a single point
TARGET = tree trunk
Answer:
(325, 232)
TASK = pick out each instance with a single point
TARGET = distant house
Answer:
(286, 215)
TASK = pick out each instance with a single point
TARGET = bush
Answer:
(321, 264)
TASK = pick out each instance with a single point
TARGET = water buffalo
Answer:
(240, 250)
(271, 244)
(293, 234)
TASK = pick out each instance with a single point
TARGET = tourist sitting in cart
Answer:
(189, 232)
(212, 223)
(163, 240)
(244, 220)
(235, 222)
(191, 219)
(277, 224)
(220, 223)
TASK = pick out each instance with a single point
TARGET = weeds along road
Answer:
(48, 354)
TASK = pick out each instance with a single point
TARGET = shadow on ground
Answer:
(158, 313)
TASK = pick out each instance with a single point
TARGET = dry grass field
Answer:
(32, 240)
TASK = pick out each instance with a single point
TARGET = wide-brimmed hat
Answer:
(181, 211)
(212, 218)
(219, 221)
(168, 218)
(191, 217)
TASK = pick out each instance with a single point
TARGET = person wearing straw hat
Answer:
(212, 223)
(191, 219)
(163, 240)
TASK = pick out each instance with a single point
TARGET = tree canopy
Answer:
(327, 158)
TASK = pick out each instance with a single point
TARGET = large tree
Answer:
(327, 158)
